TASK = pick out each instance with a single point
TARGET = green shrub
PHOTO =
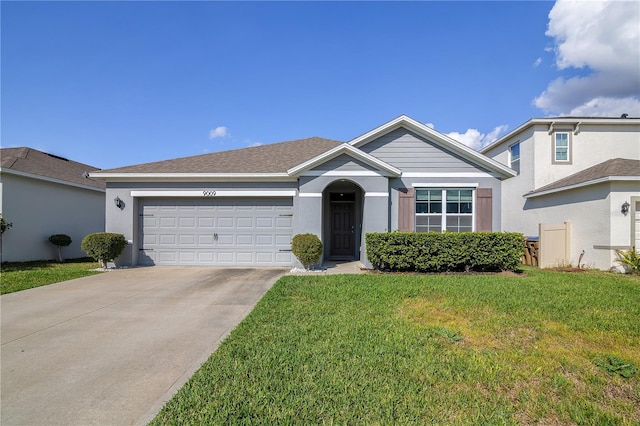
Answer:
(630, 260)
(307, 248)
(103, 246)
(4, 225)
(447, 252)
(60, 240)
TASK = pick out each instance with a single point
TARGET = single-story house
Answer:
(242, 207)
(44, 194)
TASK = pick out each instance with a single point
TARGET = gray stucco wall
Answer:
(38, 209)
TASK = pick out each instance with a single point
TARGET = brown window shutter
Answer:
(406, 211)
(483, 209)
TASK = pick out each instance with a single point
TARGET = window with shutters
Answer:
(439, 210)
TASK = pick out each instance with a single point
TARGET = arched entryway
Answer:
(342, 220)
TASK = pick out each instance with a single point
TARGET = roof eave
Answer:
(535, 194)
(558, 120)
(50, 179)
(190, 177)
(388, 169)
(437, 137)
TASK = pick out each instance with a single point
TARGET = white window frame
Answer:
(555, 147)
(443, 214)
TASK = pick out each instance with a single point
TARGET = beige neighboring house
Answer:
(44, 194)
(582, 170)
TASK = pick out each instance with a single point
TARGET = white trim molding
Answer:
(192, 177)
(437, 185)
(582, 184)
(212, 193)
(376, 194)
(447, 175)
(345, 173)
(310, 194)
(350, 151)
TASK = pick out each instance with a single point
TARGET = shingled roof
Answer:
(272, 158)
(34, 162)
(619, 167)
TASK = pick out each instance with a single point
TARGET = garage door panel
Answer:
(216, 231)
(225, 222)
(284, 222)
(244, 222)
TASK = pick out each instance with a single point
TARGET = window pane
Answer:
(515, 152)
(435, 207)
(561, 154)
(562, 139)
(466, 195)
(466, 208)
(421, 207)
(453, 207)
(428, 223)
(422, 195)
(453, 195)
(459, 223)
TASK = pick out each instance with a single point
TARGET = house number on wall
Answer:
(209, 193)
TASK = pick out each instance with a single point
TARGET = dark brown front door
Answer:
(343, 236)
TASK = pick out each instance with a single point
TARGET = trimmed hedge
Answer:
(103, 246)
(446, 252)
(307, 248)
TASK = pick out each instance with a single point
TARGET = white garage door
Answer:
(216, 231)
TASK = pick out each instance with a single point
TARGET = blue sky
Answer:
(119, 83)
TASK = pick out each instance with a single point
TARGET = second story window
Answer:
(561, 148)
(514, 157)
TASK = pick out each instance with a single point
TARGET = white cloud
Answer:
(430, 125)
(537, 62)
(598, 40)
(255, 144)
(473, 138)
(218, 132)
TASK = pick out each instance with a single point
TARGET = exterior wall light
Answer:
(625, 208)
(119, 203)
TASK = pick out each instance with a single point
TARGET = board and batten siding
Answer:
(411, 153)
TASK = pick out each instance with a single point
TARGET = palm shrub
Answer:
(103, 246)
(307, 248)
(629, 260)
(60, 240)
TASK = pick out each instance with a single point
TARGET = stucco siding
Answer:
(39, 209)
(412, 153)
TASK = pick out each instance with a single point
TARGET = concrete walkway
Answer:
(333, 268)
(111, 349)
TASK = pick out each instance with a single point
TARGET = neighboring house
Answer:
(242, 207)
(581, 170)
(43, 194)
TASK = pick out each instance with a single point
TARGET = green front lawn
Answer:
(427, 349)
(24, 275)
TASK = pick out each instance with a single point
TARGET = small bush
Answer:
(60, 240)
(630, 260)
(307, 248)
(447, 252)
(103, 246)
(4, 224)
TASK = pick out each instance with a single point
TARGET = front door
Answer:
(343, 235)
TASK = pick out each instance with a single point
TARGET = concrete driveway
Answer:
(111, 349)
